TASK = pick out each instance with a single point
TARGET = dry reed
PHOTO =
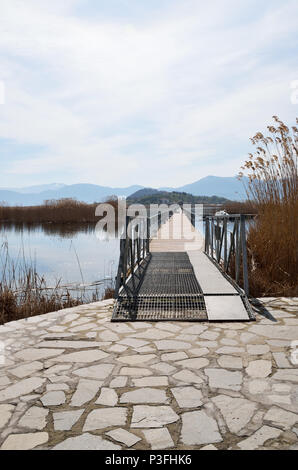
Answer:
(235, 207)
(62, 211)
(272, 189)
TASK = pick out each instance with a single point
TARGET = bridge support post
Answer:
(212, 237)
(148, 235)
(120, 268)
(225, 234)
(207, 235)
(192, 216)
(244, 254)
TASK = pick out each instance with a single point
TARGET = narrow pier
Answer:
(177, 280)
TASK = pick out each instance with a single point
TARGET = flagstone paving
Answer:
(74, 380)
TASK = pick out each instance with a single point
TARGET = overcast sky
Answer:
(154, 92)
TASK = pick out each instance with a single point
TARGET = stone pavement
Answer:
(74, 380)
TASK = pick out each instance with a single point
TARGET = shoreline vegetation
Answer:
(247, 207)
(25, 293)
(62, 211)
(272, 238)
(70, 211)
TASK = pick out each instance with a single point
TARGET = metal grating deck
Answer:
(168, 291)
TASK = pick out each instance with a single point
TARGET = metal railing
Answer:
(225, 244)
(135, 251)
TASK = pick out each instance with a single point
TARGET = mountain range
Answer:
(227, 187)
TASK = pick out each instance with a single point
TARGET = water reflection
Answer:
(65, 253)
(62, 230)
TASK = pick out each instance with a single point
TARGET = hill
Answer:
(147, 197)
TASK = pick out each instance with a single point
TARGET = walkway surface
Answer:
(74, 380)
(177, 234)
(198, 289)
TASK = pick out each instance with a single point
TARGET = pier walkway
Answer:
(179, 281)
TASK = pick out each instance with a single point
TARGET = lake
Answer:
(67, 253)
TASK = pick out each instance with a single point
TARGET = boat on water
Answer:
(221, 213)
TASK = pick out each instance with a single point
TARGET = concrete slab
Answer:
(225, 308)
(209, 277)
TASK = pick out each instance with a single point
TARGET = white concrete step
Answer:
(225, 308)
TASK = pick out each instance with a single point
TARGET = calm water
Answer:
(72, 254)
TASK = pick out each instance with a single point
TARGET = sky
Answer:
(156, 93)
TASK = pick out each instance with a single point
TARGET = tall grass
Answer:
(24, 293)
(109, 293)
(272, 188)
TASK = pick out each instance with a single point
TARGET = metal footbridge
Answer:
(169, 271)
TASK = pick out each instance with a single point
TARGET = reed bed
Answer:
(272, 189)
(109, 293)
(235, 207)
(24, 293)
(62, 211)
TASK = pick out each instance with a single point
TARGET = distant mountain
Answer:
(90, 192)
(223, 187)
(82, 192)
(36, 189)
(40, 188)
(228, 187)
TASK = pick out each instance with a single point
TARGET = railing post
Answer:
(148, 235)
(225, 229)
(192, 216)
(132, 262)
(237, 249)
(212, 236)
(207, 235)
(126, 249)
(120, 267)
(244, 254)
(220, 242)
(138, 243)
(209, 241)
(232, 246)
(159, 220)
(217, 239)
(143, 238)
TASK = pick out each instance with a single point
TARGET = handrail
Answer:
(229, 255)
(134, 250)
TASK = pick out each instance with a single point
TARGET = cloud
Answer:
(155, 99)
